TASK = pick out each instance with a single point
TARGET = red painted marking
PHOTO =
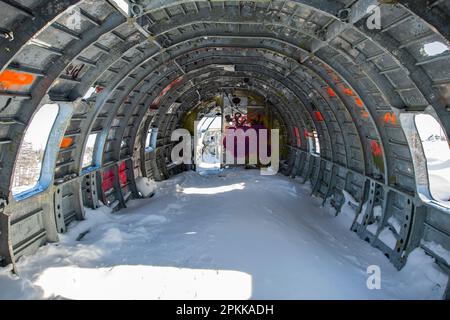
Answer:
(394, 119)
(13, 80)
(108, 180)
(318, 116)
(359, 102)
(348, 91)
(307, 134)
(376, 149)
(164, 91)
(331, 92)
(122, 174)
(109, 176)
(297, 136)
(390, 117)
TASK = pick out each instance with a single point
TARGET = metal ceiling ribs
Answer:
(296, 52)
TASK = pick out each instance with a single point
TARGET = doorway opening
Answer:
(208, 148)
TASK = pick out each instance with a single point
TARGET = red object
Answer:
(393, 119)
(331, 92)
(108, 180)
(164, 91)
(348, 91)
(376, 149)
(307, 134)
(122, 174)
(297, 136)
(390, 117)
(109, 176)
(66, 142)
(11, 80)
(318, 116)
(359, 102)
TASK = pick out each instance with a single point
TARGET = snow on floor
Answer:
(237, 235)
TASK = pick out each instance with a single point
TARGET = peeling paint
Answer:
(164, 91)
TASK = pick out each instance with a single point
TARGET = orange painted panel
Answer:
(10, 79)
(66, 142)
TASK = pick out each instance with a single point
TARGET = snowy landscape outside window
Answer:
(437, 153)
(316, 141)
(313, 141)
(28, 166)
(89, 150)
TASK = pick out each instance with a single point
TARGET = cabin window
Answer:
(437, 154)
(313, 141)
(150, 141)
(31, 157)
(88, 155)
